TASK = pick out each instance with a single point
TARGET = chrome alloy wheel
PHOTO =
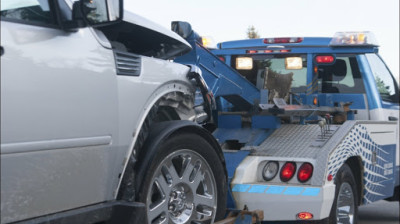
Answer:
(183, 190)
(345, 205)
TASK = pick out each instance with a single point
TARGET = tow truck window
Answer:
(275, 63)
(35, 12)
(341, 77)
(383, 78)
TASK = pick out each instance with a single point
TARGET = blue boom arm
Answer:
(222, 79)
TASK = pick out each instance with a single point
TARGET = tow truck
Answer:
(308, 125)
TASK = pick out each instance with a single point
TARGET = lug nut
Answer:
(173, 194)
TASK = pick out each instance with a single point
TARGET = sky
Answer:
(225, 20)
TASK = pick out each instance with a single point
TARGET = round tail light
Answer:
(305, 172)
(287, 172)
(270, 170)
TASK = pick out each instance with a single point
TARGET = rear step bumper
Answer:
(274, 200)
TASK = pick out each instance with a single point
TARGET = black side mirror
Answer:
(101, 12)
(183, 29)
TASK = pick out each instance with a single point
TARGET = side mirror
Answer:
(101, 12)
(183, 29)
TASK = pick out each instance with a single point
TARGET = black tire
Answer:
(161, 188)
(345, 193)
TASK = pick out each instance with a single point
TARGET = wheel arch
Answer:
(355, 164)
(175, 98)
(160, 132)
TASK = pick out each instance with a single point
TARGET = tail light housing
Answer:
(305, 172)
(287, 172)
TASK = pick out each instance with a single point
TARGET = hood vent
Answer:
(127, 63)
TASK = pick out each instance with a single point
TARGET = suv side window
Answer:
(383, 78)
(35, 12)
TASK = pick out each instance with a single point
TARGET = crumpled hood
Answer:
(141, 21)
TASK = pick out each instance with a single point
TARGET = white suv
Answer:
(94, 119)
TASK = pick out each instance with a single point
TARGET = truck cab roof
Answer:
(306, 44)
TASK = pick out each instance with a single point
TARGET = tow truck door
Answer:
(384, 94)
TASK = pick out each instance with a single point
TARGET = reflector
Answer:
(305, 215)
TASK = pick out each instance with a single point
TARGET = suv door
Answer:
(58, 114)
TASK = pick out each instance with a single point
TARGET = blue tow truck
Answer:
(309, 126)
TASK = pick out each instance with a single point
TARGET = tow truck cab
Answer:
(330, 71)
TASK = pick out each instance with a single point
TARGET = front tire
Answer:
(345, 207)
(185, 182)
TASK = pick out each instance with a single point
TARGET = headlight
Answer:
(270, 170)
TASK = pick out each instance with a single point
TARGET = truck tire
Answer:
(184, 183)
(345, 208)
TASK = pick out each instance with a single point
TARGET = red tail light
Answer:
(287, 172)
(305, 172)
(221, 58)
(324, 59)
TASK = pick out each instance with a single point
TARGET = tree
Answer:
(252, 33)
(383, 90)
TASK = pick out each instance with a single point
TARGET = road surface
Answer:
(381, 212)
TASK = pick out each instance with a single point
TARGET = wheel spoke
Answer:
(162, 185)
(172, 171)
(158, 210)
(187, 169)
(204, 200)
(344, 210)
(197, 180)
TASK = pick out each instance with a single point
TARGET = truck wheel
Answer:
(185, 182)
(344, 208)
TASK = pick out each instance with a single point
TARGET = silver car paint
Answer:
(68, 121)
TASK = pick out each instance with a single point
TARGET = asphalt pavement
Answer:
(380, 212)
